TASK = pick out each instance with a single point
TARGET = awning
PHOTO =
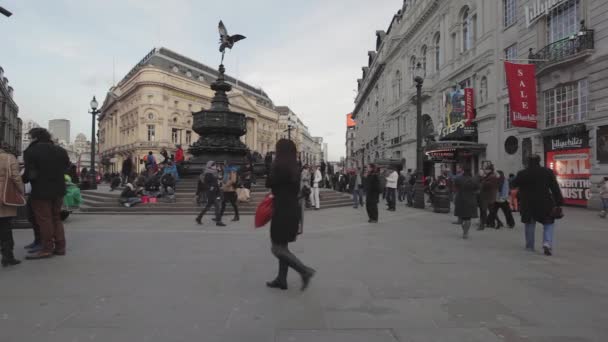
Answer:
(453, 151)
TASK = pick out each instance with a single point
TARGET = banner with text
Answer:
(521, 82)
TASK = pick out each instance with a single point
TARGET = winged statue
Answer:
(226, 40)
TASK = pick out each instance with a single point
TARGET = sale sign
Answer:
(573, 169)
(469, 105)
(521, 83)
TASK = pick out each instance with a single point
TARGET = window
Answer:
(437, 41)
(510, 12)
(397, 86)
(150, 116)
(510, 54)
(566, 104)
(151, 132)
(175, 135)
(562, 21)
(423, 53)
(413, 68)
(467, 30)
(507, 111)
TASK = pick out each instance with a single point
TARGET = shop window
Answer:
(566, 104)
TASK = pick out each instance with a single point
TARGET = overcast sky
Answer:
(305, 54)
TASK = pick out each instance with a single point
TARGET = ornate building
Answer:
(151, 109)
(461, 48)
(10, 123)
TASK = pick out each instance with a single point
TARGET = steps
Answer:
(104, 202)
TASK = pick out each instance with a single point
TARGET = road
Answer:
(409, 278)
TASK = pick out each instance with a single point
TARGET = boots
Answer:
(466, 225)
(8, 259)
(236, 218)
(603, 213)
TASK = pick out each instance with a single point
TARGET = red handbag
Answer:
(263, 213)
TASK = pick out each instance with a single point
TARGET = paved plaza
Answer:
(409, 279)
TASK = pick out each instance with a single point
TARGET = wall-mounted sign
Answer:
(569, 156)
(521, 83)
(539, 8)
(459, 107)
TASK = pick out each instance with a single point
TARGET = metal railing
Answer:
(563, 49)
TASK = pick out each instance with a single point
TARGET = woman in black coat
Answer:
(465, 202)
(284, 181)
(539, 195)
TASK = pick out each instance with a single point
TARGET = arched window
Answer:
(436, 41)
(467, 30)
(423, 57)
(397, 86)
(412, 68)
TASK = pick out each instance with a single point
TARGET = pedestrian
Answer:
(459, 173)
(305, 185)
(391, 188)
(165, 155)
(316, 183)
(409, 187)
(372, 193)
(45, 165)
(210, 179)
(487, 195)
(129, 196)
(284, 182)
(150, 163)
(401, 186)
(127, 170)
(540, 201)
(513, 201)
(465, 201)
(9, 174)
(502, 204)
(356, 184)
(73, 173)
(604, 197)
(229, 190)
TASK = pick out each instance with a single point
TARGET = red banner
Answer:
(521, 81)
(573, 169)
(469, 106)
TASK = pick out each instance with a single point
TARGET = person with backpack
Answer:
(229, 190)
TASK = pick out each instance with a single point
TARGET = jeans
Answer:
(494, 220)
(605, 203)
(357, 198)
(314, 197)
(547, 234)
(6, 237)
(230, 197)
(391, 199)
(212, 202)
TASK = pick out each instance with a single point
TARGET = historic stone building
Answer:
(461, 46)
(151, 109)
(10, 123)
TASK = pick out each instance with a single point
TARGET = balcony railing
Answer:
(563, 49)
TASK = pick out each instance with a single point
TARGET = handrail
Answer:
(563, 49)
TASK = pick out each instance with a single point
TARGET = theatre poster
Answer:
(569, 156)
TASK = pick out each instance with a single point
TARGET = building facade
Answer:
(60, 130)
(151, 109)
(28, 125)
(460, 48)
(10, 123)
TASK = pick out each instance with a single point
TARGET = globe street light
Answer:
(289, 126)
(419, 186)
(92, 173)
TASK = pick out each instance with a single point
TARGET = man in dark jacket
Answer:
(127, 169)
(372, 191)
(540, 196)
(45, 165)
(211, 183)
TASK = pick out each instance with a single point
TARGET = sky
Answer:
(305, 54)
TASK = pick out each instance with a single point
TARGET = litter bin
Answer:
(441, 201)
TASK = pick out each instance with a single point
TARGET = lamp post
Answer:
(92, 173)
(289, 126)
(419, 186)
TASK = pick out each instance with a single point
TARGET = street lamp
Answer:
(92, 173)
(289, 126)
(419, 186)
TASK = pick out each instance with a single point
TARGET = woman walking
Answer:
(502, 203)
(9, 168)
(465, 202)
(284, 182)
(213, 193)
(372, 191)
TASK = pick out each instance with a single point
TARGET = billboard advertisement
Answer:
(459, 108)
(570, 159)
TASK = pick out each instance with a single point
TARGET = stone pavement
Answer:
(409, 279)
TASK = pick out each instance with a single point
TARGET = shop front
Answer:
(568, 154)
